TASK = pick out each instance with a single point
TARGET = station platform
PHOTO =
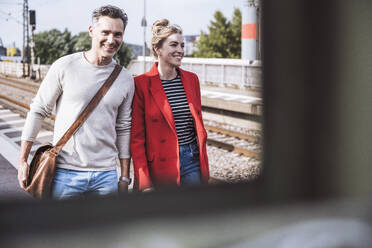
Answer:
(242, 101)
(11, 125)
(10, 135)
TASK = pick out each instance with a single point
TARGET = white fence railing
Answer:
(10, 68)
(16, 69)
(235, 73)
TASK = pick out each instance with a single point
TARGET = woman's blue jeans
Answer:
(80, 184)
(190, 164)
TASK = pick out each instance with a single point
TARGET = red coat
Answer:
(154, 144)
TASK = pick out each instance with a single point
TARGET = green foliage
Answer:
(124, 55)
(81, 42)
(53, 44)
(223, 39)
(236, 38)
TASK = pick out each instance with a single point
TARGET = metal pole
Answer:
(28, 40)
(144, 24)
(38, 68)
(33, 73)
(25, 27)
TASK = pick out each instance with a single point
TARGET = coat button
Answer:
(162, 159)
(162, 141)
(155, 120)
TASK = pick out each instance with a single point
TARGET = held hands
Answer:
(23, 170)
(123, 187)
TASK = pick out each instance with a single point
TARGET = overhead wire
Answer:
(8, 16)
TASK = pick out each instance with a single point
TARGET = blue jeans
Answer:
(190, 164)
(79, 184)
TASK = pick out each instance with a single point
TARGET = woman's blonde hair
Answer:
(161, 30)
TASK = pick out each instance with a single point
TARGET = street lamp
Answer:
(144, 24)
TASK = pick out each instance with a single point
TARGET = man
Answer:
(87, 163)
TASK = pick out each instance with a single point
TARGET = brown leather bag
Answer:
(43, 164)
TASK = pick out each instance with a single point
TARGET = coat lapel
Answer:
(160, 98)
(189, 91)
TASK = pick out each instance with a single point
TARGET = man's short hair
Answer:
(110, 11)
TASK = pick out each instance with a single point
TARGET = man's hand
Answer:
(23, 170)
(122, 187)
(23, 167)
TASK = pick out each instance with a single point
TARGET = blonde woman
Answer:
(168, 138)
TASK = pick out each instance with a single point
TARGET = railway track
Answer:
(243, 144)
(234, 141)
(18, 84)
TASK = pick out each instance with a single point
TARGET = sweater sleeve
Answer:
(124, 121)
(43, 103)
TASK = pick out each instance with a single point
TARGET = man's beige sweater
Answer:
(70, 84)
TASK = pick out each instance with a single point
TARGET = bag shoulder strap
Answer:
(88, 109)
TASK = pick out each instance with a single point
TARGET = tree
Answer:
(124, 55)
(51, 45)
(223, 39)
(81, 42)
(236, 38)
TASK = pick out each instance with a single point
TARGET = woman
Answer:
(168, 139)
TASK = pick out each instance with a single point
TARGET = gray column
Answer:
(249, 31)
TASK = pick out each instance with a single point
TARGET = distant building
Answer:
(2, 48)
(15, 59)
(2, 51)
(12, 51)
(190, 44)
(9, 54)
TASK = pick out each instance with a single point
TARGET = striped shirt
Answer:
(180, 108)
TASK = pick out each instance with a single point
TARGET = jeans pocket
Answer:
(59, 174)
(195, 151)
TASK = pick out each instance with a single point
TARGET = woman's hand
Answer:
(148, 189)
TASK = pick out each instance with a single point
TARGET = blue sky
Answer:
(191, 15)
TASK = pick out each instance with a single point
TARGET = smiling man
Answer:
(87, 163)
